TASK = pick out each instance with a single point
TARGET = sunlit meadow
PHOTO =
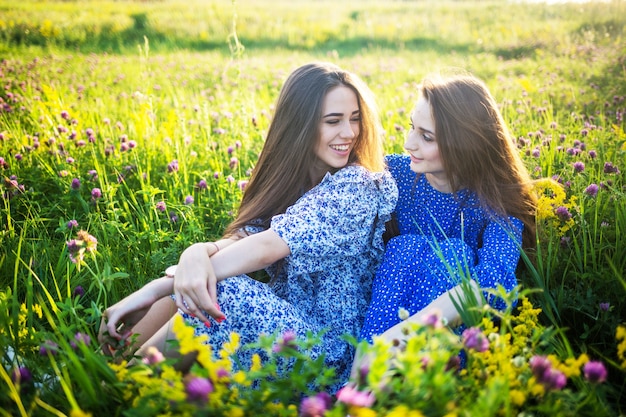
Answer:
(128, 130)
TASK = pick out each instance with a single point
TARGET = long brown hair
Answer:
(281, 174)
(477, 150)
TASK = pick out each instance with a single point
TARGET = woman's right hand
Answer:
(195, 284)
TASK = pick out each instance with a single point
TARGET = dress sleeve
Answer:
(337, 218)
(498, 257)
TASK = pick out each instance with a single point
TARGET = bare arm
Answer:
(443, 304)
(201, 266)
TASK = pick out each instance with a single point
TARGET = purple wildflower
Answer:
(605, 306)
(539, 365)
(242, 184)
(48, 347)
(473, 338)
(161, 206)
(563, 213)
(579, 166)
(595, 372)
(233, 162)
(609, 168)
(80, 338)
(288, 341)
(172, 166)
(79, 291)
(593, 154)
(592, 190)
(189, 200)
(75, 184)
(198, 389)
(202, 185)
(351, 396)
(316, 405)
(21, 375)
(433, 319)
(72, 224)
(18, 156)
(65, 115)
(96, 193)
(554, 379)
(173, 217)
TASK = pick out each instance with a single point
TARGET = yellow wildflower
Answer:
(518, 398)
(404, 411)
(256, 362)
(361, 412)
(620, 336)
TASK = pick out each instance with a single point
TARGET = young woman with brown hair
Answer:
(312, 214)
(465, 209)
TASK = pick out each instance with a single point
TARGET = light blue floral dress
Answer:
(439, 232)
(334, 232)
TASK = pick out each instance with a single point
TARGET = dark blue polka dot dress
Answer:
(334, 232)
(440, 235)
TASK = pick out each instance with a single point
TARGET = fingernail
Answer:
(220, 319)
(207, 323)
(192, 315)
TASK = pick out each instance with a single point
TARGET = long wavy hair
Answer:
(477, 150)
(282, 173)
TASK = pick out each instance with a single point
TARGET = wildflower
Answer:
(233, 162)
(21, 375)
(3, 163)
(69, 160)
(161, 206)
(238, 144)
(18, 156)
(75, 184)
(351, 396)
(72, 224)
(592, 190)
(93, 174)
(189, 200)
(202, 185)
(433, 319)
(230, 150)
(173, 217)
(593, 154)
(216, 175)
(316, 405)
(539, 365)
(288, 341)
(605, 306)
(609, 168)
(198, 389)
(172, 166)
(563, 213)
(49, 347)
(242, 184)
(65, 115)
(230, 179)
(83, 243)
(403, 313)
(474, 339)
(153, 356)
(554, 379)
(595, 372)
(80, 338)
(96, 193)
(579, 166)
(536, 152)
(79, 291)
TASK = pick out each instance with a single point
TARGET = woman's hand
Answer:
(195, 284)
(119, 319)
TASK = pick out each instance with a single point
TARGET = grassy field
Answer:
(141, 121)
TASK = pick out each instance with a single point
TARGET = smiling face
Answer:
(422, 146)
(338, 130)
